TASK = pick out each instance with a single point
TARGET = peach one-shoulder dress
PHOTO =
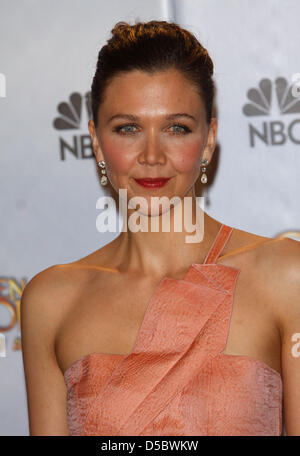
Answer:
(176, 381)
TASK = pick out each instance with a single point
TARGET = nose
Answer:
(152, 152)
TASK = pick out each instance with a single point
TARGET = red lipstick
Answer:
(149, 182)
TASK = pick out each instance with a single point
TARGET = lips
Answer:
(152, 182)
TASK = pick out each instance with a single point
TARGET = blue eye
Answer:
(184, 129)
(119, 129)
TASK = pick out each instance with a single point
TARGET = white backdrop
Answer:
(49, 183)
(255, 187)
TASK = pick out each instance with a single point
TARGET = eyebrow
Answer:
(135, 118)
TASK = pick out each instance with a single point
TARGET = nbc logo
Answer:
(71, 117)
(286, 102)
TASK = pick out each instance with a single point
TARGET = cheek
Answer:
(187, 158)
(118, 161)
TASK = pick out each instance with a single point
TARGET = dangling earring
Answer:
(103, 179)
(204, 176)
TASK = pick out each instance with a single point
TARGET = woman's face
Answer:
(152, 126)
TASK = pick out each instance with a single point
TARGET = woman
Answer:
(143, 336)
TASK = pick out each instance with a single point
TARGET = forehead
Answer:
(139, 93)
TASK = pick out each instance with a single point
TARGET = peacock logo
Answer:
(273, 100)
(72, 117)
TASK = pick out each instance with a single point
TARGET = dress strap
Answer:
(219, 243)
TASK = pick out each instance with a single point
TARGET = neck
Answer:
(181, 237)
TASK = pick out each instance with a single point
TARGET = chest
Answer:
(108, 318)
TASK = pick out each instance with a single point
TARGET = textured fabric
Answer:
(176, 381)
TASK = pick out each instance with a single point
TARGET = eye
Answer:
(123, 129)
(119, 129)
(182, 129)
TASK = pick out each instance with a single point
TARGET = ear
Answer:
(210, 140)
(95, 143)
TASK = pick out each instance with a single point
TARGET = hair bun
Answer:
(119, 28)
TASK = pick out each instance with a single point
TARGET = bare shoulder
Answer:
(43, 304)
(263, 248)
(241, 238)
(280, 264)
(42, 288)
(68, 276)
(48, 286)
(275, 263)
(51, 292)
(272, 270)
(279, 259)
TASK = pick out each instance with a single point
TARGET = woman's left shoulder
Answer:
(275, 263)
(279, 262)
(282, 256)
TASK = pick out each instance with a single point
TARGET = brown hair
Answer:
(151, 47)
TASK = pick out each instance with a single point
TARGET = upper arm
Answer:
(45, 386)
(287, 293)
